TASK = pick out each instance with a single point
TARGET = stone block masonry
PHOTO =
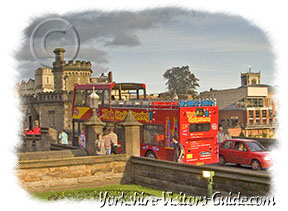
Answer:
(69, 173)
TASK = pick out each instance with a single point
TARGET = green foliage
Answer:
(181, 81)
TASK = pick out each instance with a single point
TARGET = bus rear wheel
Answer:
(150, 155)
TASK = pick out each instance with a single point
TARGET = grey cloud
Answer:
(116, 28)
(124, 39)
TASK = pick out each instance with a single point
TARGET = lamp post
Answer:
(94, 125)
(209, 176)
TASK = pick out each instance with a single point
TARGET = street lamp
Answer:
(209, 176)
(94, 100)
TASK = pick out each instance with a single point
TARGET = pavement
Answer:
(242, 168)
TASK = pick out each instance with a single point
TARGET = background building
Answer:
(248, 110)
(47, 99)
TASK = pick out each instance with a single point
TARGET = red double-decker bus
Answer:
(194, 122)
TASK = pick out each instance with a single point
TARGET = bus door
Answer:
(169, 148)
(171, 129)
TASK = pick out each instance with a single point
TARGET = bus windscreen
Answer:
(199, 127)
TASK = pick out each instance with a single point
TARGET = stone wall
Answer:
(68, 173)
(188, 179)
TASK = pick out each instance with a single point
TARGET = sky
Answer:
(139, 46)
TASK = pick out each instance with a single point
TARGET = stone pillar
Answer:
(28, 143)
(44, 140)
(132, 135)
(93, 126)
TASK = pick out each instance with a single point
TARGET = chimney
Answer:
(110, 77)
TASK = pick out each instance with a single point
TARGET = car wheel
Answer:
(255, 164)
(221, 160)
(150, 155)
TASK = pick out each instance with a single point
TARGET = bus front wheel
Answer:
(150, 155)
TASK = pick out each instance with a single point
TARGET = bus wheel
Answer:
(221, 160)
(150, 155)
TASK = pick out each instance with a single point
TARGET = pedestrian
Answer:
(99, 145)
(36, 129)
(221, 136)
(178, 150)
(63, 138)
(114, 141)
(82, 139)
(227, 135)
(107, 142)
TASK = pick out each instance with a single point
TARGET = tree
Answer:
(181, 81)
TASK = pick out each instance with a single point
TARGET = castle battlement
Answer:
(46, 97)
(83, 65)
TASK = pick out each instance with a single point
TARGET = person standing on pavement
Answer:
(178, 150)
(114, 141)
(63, 138)
(82, 139)
(99, 144)
(221, 136)
(107, 142)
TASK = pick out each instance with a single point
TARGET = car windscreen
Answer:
(255, 147)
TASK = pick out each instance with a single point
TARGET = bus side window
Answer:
(80, 97)
(153, 134)
(106, 97)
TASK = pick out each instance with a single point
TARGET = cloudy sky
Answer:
(140, 46)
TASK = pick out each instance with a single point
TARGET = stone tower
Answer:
(44, 80)
(250, 78)
(68, 74)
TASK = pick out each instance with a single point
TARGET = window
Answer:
(251, 114)
(255, 102)
(257, 117)
(264, 113)
(255, 147)
(240, 146)
(257, 114)
(227, 145)
(234, 122)
(153, 134)
(201, 127)
(80, 98)
(270, 116)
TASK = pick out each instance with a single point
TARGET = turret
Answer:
(59, 57)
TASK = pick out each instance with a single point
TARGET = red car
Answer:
(244, 152)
